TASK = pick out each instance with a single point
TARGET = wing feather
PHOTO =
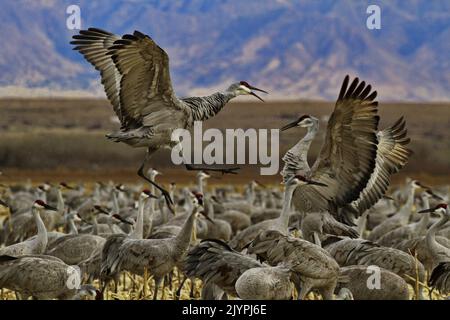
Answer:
(347, 158)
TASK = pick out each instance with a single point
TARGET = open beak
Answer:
(315, 183)
(252, 92)
(48, 207)
(289, 126)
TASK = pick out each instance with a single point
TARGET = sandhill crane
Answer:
(265, 283)
(440, 278)
(216, 263)
(409, 231)
(438, 252)
(148, 109)
(355, 161)
(401, 217)
(357, 279)
(219, 228)
(349, 252)
(312, 267)
(281, 223)
(36, 245)
(157, 256)
(41, 277)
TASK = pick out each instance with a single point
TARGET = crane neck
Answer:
(296, 158)
(286, 210)
(183, 238)
(116, 202)
(42, 237)
(72, 227)
(430, 238)
(200, 184)
(206, 107)
(138, 231)
(60, 205)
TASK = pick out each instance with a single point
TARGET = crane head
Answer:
(440, 208)
(304, 121)
(244, 88)
(146, 194)
(39, 204)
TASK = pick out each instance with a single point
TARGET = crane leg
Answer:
(180, 287)
(140, 173)
(157, 284)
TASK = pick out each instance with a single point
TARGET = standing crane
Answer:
(355, 161)
(35, 245)
(136, 78)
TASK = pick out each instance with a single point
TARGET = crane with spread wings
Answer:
(135, 75)
(355, 161)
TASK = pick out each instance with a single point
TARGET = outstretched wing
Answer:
(146, 94)
(214, 261)
(392, 155)
(135, 73)
(347, 158)
(93, 44)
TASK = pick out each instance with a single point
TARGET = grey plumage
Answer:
(354, 162)
(312, 267)
(41, 277)
(215, 262)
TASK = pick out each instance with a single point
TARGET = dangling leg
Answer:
(143, 168)
(224, 170)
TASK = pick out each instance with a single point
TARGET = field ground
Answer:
(53, 139)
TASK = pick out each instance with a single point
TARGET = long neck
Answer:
(425, 219)
(406, 210)
(296, 159)
(285, 211)
(115, 202)
(60, 204)
(200, 184)
(183, 238)
(138, 232)
(41, 239)
(432, 244)
(210, 208)
(206, 107)
(72, 227)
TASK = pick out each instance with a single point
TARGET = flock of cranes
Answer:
(324, 234)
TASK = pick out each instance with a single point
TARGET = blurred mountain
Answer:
(294, 49)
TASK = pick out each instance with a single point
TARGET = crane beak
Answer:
(50, 208)
(118, 217)
(315, 183)
(252, 92)
(206, 216)
(426, 210)
(4, 204)
(289, 126)
(101, 210)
